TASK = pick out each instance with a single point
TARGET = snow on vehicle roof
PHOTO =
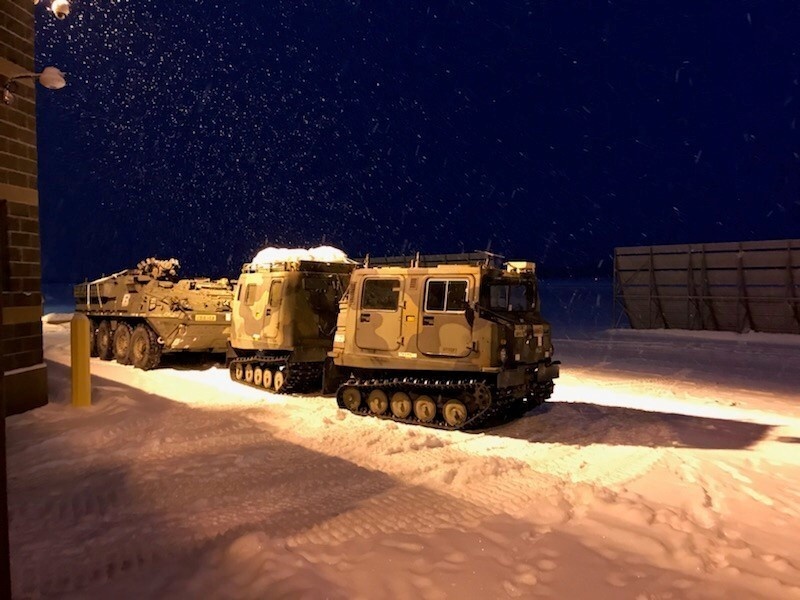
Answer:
(326, 254)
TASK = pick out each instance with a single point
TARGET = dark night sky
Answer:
(552, 130)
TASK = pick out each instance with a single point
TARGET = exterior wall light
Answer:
(50, 77)
(59, 8)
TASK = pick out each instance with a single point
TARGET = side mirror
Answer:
(469, 315)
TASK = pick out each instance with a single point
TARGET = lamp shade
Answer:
(52, 78)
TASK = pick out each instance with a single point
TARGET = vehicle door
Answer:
(247, 317)
(272, 309)
(444, 329)
(380, 314)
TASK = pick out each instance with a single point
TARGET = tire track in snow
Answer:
(126, 533)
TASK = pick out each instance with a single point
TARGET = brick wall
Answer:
(20, 259)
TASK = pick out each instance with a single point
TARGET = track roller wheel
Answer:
(351, 397)
(105, 346)
(425, 408)
(258, 376)
(122, 343)
(237, 371)
(266, 380)
(401, 405)
(378, 402)
(248, 373)
(145, 351)
(278, 380)
(455, 413)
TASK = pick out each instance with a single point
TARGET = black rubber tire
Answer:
(105, 346)
(92, 338)
(145, 350)
(121, 343)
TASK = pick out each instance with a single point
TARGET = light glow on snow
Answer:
(649, 475)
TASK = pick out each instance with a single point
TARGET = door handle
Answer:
(427, 321)
(364, 318)
(267, 312)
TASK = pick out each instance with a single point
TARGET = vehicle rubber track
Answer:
(490, 409)
(298, 377)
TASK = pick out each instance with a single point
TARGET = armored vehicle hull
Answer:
(138, 315)
(448, 346)
(284, 317)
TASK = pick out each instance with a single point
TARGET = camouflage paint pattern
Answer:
(192, 315)
(411, 335)
(289, 308)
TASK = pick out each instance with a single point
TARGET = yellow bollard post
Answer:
(79, 346)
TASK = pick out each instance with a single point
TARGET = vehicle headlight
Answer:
(503, 355)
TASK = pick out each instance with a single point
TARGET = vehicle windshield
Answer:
(511, 297)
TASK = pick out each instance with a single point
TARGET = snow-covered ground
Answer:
(667, 465)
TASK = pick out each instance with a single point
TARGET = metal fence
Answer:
(737, 286)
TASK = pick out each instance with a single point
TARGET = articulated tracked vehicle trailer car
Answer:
(446, 345)
(284, 317)
(139, 314)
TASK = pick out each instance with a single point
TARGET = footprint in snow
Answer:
(546, 564)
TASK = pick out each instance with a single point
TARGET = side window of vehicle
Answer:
(250, 294)
(436, 295)
(457, 299)
(381, 294)
(239, 292)
(446, 295)
(275, 293)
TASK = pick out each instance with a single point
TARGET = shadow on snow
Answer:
(585, 424)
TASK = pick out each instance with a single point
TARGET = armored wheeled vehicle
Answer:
(443, 345)
(137, 315)
(284, 317)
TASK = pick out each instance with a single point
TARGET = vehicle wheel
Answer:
(401, 405)
(267, 379)
(122, 343)
(425, 409)
(237, 371)
(258, 376)
(145, 349)
(351, 397)
(377, 402)
(105, 348)
(455, 413)
(248, 373)
(92, 338)
(278, 380)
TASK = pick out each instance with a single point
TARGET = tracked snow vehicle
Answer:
(443, 345)
(137, 315)
(284, 317)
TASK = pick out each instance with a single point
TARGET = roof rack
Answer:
(300, 265)
(479, 258)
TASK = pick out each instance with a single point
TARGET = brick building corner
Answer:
(25, 377)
